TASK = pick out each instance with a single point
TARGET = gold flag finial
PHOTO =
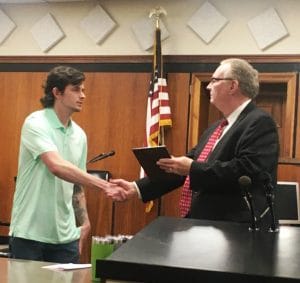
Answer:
(156, 12)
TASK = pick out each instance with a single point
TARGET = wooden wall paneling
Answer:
(130, 217)
(194, 113)
(272, 99)
(297, 136)
(20, 94)
(199, 108)
(289, 172)
(286, 103)
(176, 136)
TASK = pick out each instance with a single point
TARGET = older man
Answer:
(243, 143)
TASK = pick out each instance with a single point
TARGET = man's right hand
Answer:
(129, 189)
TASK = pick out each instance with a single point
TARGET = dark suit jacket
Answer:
(250, 147)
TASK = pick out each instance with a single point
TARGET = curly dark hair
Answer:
(60, 77)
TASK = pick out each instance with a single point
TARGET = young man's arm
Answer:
(81, 214)
(67, 171)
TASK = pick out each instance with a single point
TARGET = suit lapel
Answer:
(219, 147)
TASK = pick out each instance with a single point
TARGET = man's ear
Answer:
(56, 92)
(234, 85)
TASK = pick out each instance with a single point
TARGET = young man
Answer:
(52, 159)
(248, 146)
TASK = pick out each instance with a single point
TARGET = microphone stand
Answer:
(269, 192)
(248, 198)
(245, 182)
(270, 201)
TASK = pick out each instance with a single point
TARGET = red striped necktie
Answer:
(186, 194)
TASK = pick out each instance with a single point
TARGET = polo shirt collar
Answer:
(55, 122)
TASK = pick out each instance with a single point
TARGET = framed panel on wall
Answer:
(278, 97)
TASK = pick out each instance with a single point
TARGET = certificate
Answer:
(148, 156)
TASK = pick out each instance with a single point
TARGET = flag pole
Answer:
(156, 13)
(158, 86)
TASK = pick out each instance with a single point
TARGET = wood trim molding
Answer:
(75, 59)
(294, 161)
(195, 106)
(280, 58)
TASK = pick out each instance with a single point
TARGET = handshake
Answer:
(121, 190)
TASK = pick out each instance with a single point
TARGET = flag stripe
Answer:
(158, 108)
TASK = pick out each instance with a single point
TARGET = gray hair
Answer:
(245, 74)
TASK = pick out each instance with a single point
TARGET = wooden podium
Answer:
(186, 250)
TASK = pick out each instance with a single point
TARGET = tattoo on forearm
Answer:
(79, 205)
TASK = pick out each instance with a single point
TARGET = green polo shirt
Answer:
(42, 207)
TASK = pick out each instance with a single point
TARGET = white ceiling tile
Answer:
(207, 22)
(7, 26)
(97, 24)
(47, 32)
(267, 28)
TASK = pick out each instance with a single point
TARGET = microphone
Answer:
(102, 156)
(245, 183)
(269, 191)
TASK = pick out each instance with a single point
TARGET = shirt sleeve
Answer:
(36, 138)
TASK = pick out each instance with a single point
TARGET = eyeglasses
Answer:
(214, 80)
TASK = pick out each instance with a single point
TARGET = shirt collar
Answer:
(55, 122)
(235, 114)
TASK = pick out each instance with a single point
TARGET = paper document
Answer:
(67, 266)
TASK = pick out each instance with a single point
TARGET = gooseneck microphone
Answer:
(245, 185)
(102, 156)
(269, 191)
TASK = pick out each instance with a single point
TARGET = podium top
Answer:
(187, 250)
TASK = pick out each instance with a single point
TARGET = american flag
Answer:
(158, 107)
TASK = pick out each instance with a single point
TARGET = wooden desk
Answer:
(25, 271)
(186, 250)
